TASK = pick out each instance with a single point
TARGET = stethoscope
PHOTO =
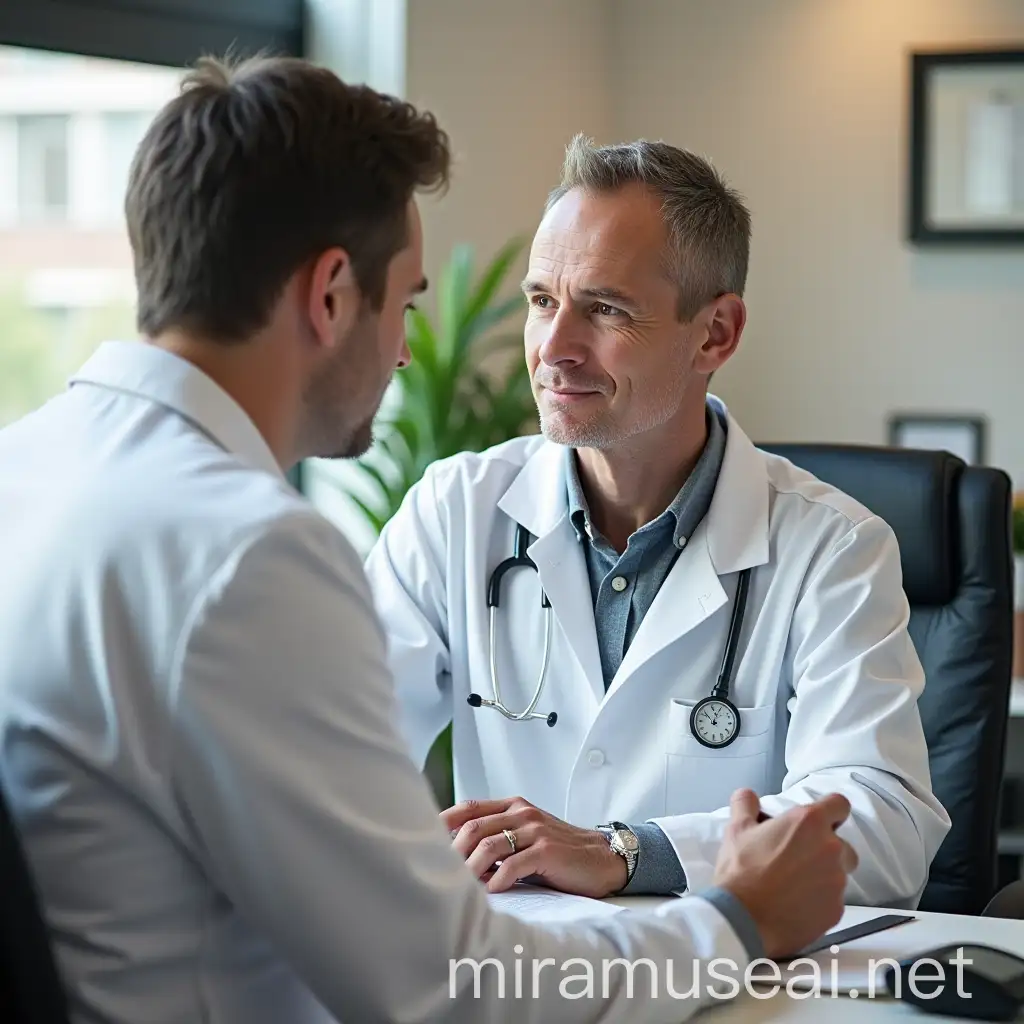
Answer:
(714, 721)
(519, 559)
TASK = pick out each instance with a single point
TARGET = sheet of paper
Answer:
(535, 903)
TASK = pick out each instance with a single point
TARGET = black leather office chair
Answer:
(31, 991)
(952, 524)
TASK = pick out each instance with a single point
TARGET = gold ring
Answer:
(511, 837)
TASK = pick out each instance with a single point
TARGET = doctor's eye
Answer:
(542, 301)
(603, 309)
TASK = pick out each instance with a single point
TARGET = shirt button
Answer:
(595, 758)
(619, 583)
(680, 542)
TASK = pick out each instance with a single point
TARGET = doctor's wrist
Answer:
(612, 867)
(658, 870)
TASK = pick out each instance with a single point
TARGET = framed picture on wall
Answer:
(967, 147)
(964, 436)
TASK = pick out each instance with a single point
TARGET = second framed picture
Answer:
(964, 436)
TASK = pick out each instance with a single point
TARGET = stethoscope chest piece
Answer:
(715, 722)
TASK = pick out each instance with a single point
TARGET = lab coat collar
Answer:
(153, 373)
(737, 520)
(537, 497)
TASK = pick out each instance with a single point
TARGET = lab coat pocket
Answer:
(699, 778)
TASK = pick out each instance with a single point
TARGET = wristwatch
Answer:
(623, 841)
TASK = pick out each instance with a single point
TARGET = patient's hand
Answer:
(790, 872)
(548, 850)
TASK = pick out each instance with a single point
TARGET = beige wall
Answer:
(802, 104)
(510, 82)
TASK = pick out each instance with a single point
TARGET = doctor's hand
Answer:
(790, 872)
(559, 855)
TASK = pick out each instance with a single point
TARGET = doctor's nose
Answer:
(562, 344)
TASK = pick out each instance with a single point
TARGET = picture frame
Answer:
(963, 436)
(966, 135)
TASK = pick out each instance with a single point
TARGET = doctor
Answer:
(700, 616)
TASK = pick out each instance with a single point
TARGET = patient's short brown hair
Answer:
(258, 166)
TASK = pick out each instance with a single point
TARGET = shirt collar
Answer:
(141, 369)
(687, 508)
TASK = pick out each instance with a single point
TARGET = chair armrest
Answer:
(1008, 902)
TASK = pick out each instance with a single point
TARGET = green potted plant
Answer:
(467, 388)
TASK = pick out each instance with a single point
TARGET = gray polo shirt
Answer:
(623, 587)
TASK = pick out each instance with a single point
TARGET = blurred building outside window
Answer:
(69, 126)
(42, 148)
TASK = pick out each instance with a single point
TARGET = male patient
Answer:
(651, 519)
(198, 727)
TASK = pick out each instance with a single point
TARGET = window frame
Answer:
(163, 32)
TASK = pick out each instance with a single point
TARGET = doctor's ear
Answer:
(727, 316)
(334, 296)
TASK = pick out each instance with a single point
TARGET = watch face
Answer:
(627, 841)
(715, 722)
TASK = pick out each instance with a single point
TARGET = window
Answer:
(69, 126)
(122, 133)
(42, 147)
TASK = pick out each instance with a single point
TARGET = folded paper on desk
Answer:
(535, 903)
(850, 933)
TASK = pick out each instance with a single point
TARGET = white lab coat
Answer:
(826, 676)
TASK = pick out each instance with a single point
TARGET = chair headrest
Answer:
(913, 491)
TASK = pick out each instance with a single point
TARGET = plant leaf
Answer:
(483, 296)
(377, 519)
(453, 291)
(494, 315)
(387, 487)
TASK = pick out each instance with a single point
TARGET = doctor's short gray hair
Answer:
(708, 223)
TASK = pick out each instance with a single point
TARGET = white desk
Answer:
(927, 932)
